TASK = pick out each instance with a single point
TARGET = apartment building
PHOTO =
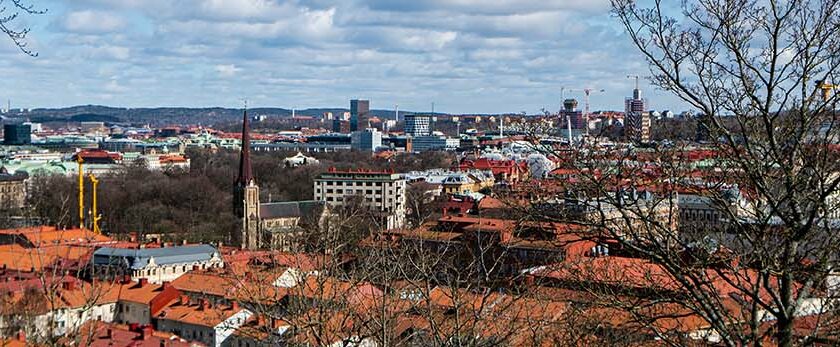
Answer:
(382, 192)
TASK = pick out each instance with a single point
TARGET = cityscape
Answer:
(686, 194)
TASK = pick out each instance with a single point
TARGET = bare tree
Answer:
(757, 260)
(10, 13)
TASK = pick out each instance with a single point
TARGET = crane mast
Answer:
(586, 93)
(95, 212)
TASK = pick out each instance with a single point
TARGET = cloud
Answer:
(466, 55)
(228, 70)
(92, 22)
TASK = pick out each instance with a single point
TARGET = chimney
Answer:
(146, 331)
(69, 285)
(260, 320)
(444, 211)
(108, 333)
(166, 284)
(185, 300)
(205, 305)
(134, 327)
(21, 336)
(133, 237)
(126, 279)
(143, 282)
(196, 268)
(234, 306)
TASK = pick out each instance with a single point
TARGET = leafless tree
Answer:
(10, 13)
(763, 255)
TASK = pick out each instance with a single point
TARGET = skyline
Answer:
(463, 55)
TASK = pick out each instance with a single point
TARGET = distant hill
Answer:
(167, 115)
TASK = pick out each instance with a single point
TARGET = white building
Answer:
(382, 192)
(203, 322)
(157, 265)
(299, 160)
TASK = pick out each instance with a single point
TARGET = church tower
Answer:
(246, 196)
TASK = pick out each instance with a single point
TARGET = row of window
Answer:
(355, 183)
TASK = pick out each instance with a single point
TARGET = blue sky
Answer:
(464, 55)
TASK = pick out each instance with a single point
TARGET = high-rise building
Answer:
(383, 193)
(571, 114)
(359, 111)
(417, 125)
(637, 120)
(17, 134)
(367, 140)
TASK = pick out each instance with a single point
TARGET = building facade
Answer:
(417, 125)
(12, 189)
(359, 111)
(157, 265)
(434, 143)
(382, 192)
(17, 134)
(367, 140)
(637, 120)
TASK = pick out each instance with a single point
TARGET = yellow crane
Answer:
(96, 216)
(826, 89)
(81, 192)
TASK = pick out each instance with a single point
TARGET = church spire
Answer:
(245, 175)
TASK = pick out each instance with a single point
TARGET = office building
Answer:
(382, 192)
(359, 111)
(637, 120)
(367, 140)
(17, 134)
(434, 143)
(417, 125)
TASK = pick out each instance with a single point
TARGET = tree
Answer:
(750, 69)
(10, 12)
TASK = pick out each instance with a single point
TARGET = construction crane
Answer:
(826, 89)
(96, 216)
(586, 93)
(81, 191)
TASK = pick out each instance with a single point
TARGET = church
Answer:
(271, 225)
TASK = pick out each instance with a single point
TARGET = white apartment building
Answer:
(382, 192)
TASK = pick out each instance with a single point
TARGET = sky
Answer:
(465, 56)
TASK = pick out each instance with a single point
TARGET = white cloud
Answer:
(92, 22)
(228, 70)
(466, 55)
